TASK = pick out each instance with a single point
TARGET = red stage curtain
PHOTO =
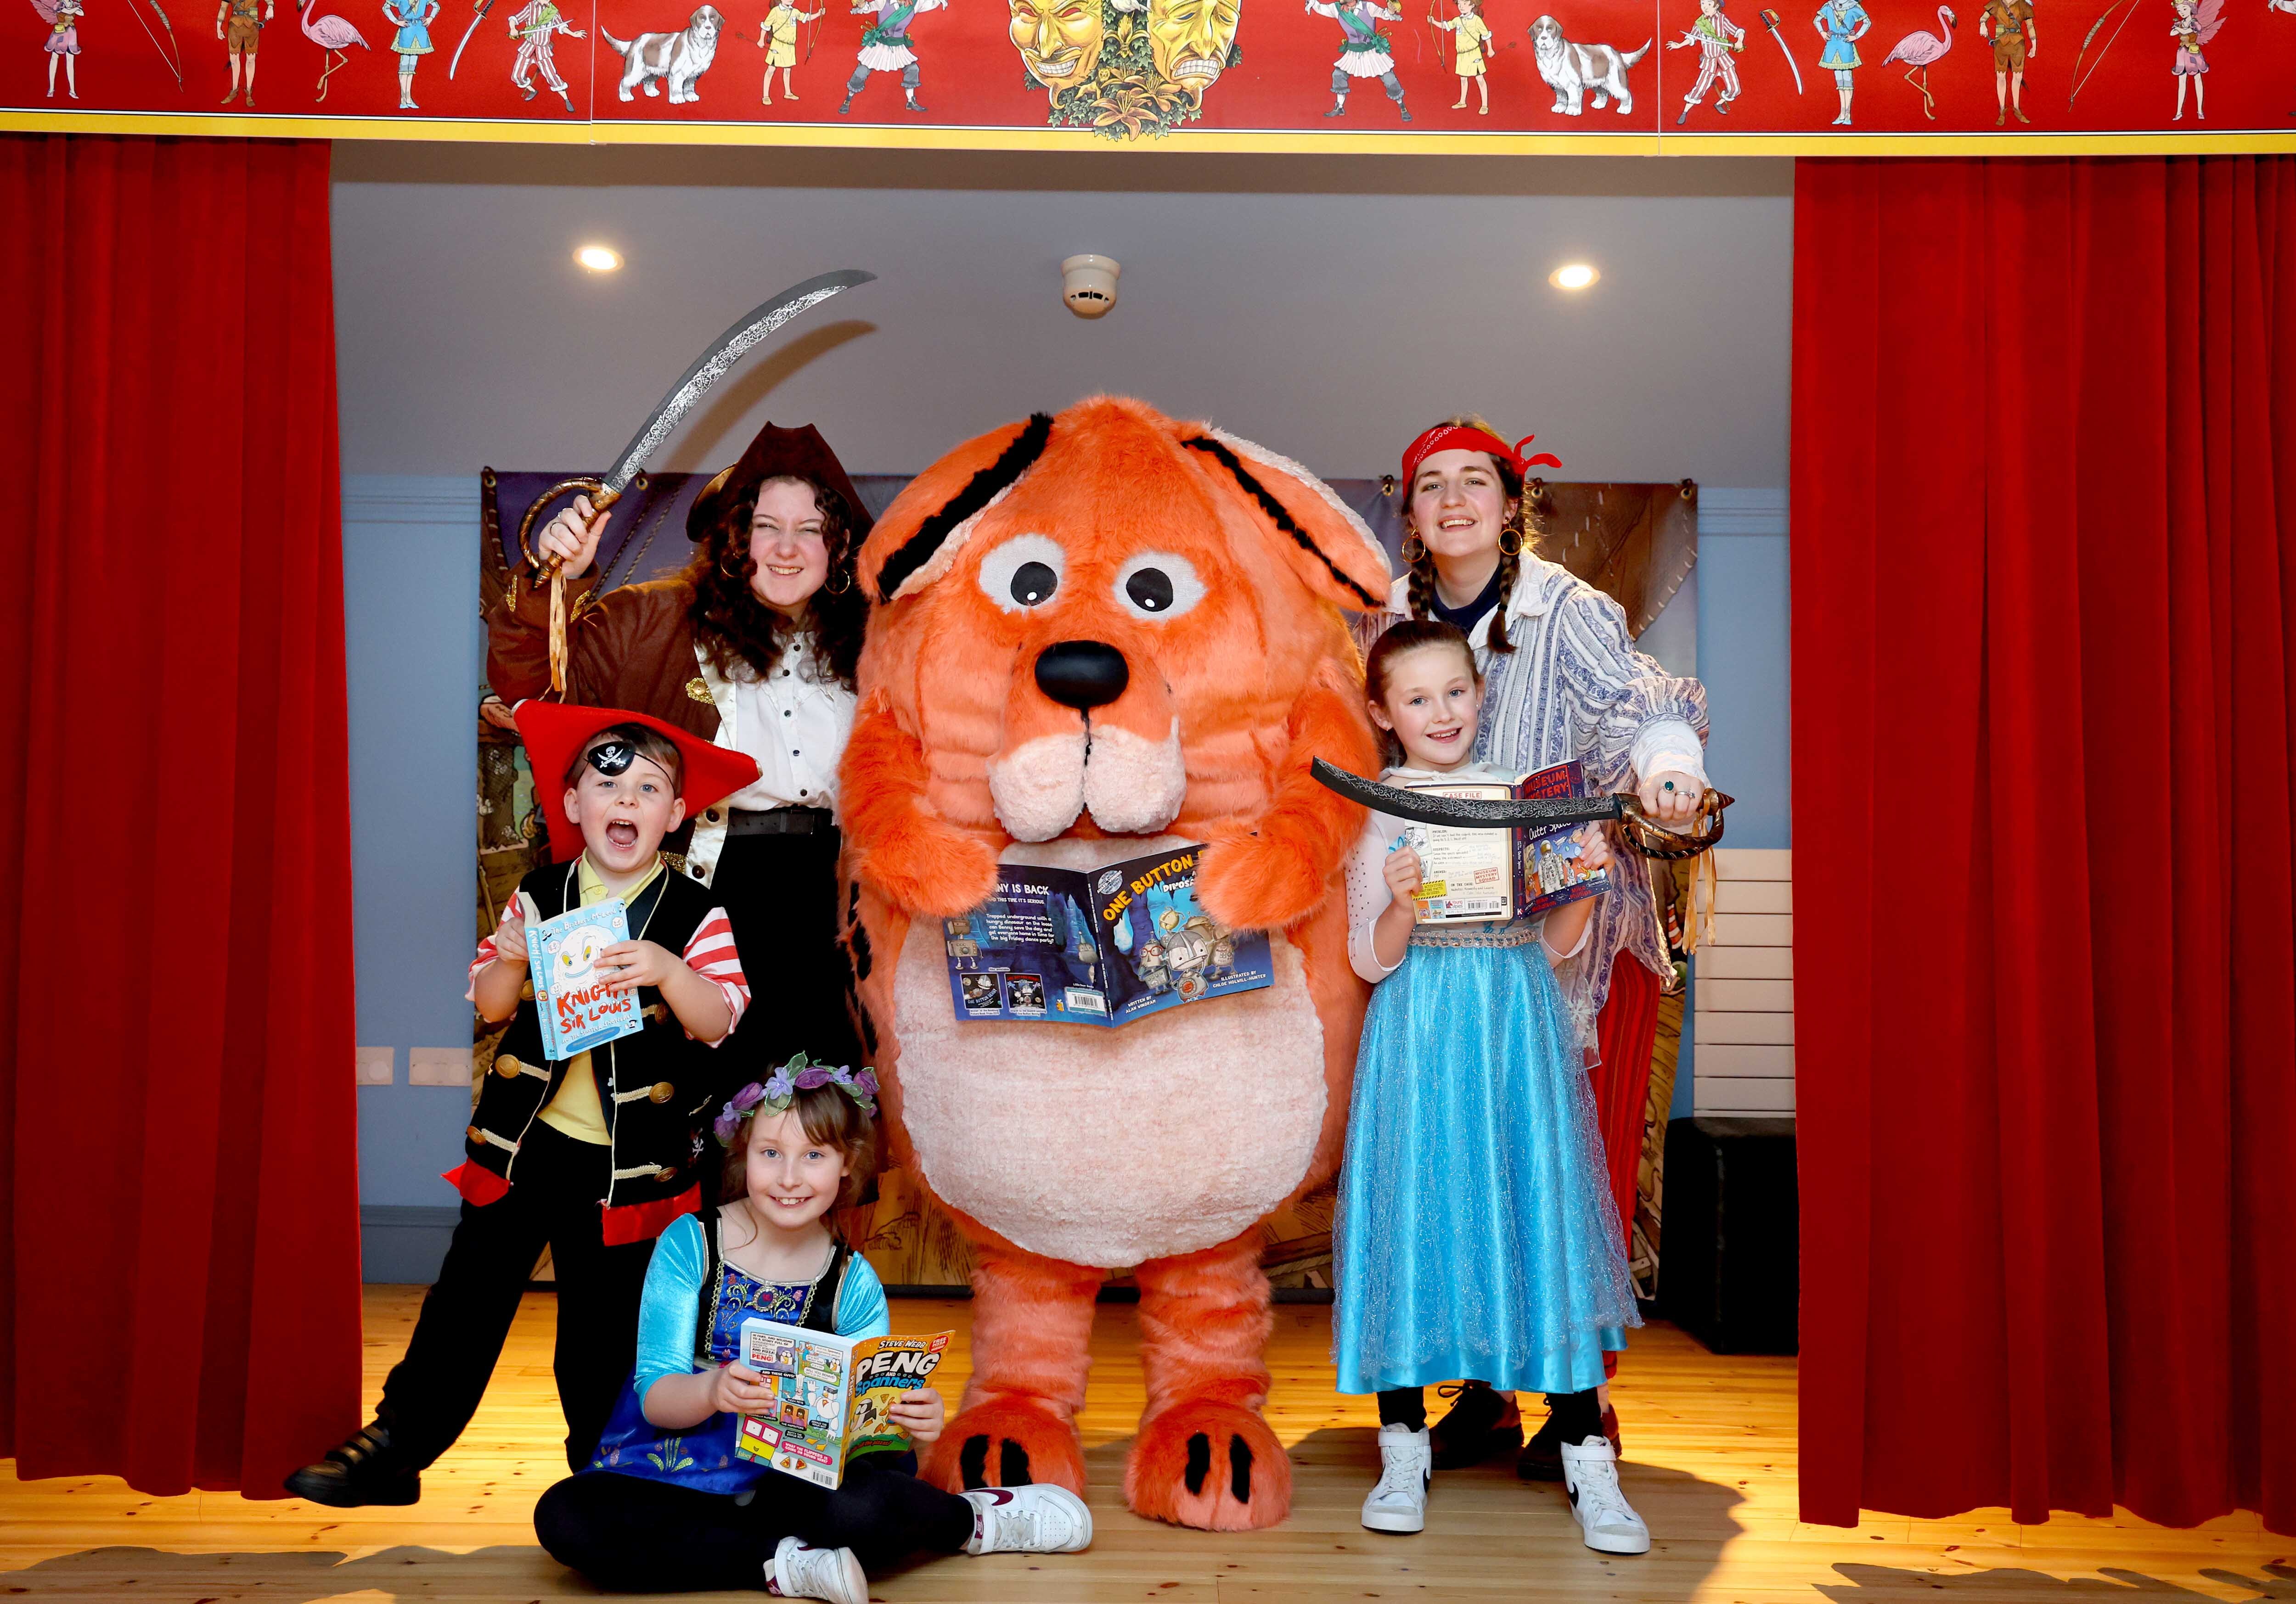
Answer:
(179, 1222)
(2044, 488)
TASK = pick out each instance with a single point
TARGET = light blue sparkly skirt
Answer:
(1476, 1237)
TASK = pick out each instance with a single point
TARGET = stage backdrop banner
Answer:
(1618, 75)
(180, 1234)
(2043, 505)
(1638, 542)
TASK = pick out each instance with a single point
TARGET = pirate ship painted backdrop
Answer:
(2014, 76)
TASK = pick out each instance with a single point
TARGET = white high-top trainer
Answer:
(1406, 1460)
(1608, 1522)
(799, 1571)
(1035, 1520)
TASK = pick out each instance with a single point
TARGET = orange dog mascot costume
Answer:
(1111, 625)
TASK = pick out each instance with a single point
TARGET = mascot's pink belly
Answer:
(1110, 1147)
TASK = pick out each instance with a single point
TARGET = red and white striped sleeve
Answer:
(711, 955)
(488, 953)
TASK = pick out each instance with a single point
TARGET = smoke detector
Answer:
(1088, 284)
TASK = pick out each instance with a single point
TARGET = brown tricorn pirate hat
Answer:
(775, 452)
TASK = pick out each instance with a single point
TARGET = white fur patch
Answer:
(1110, 1147)
(1132, 786)
(1038, 790)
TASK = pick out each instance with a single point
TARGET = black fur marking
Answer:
(868, 1033)
(1239, 1469)
(972, 1463)
(1013, 1462)
(979, 491)
(1200, 1463)
(864, 959)
(1276, 515)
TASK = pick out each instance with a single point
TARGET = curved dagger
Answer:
(1463, 811)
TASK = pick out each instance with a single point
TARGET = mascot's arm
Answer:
(1278, 871)
(915, 859)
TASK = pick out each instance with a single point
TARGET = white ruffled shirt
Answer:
(795, 722)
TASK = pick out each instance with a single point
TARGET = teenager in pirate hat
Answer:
(753, 647)
(591, 1155)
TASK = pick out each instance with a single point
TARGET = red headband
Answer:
(1460, 437)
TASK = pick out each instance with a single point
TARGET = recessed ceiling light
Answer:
(1573, 275)
(598, 259)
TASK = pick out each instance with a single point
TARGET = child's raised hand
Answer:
(920, 1414)
(510, 936)
(1404, 874)
(627, 965)
(739, 1390)
(1593, 848)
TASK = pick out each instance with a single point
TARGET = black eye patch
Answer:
(612, 757)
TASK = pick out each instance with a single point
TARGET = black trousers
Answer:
(630, 1534)
(553, 1202)
(780, 891)
(1578, 1415)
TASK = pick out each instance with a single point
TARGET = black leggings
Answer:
(1578, 1415)
(630, 1534)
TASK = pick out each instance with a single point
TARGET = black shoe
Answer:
(916, 105)
(360, 1472)
(1478, 1427)
(1407, 115)
(845, 105)
(1541, 1459)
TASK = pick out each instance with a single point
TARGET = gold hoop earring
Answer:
(838, 590)
(1414, 548)
(1510, 541)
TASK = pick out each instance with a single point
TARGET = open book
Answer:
(1468, 875)
(578, 1012)
(1097, 946)
(833, 1396)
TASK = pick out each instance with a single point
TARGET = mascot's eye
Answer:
(1024, 573)
(1158, 585)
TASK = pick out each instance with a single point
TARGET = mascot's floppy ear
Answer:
(1326, 544)
(919, 536)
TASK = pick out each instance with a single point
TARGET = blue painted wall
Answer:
(416, 657)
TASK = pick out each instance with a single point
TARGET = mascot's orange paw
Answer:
(1008, 1442)
(1210, 1465)
(936, 872)
(1258, 880)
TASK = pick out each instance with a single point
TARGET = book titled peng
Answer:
(578, 1012)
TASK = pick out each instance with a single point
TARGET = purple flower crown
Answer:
(779, 1089)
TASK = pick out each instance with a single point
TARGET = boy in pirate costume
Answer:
(593, 1156)
(534, 28)
(1363, 51)
(1717, 39)
(885, 47)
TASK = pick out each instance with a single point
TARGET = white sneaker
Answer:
(1037, 1519)
(1608, 1522)
(1406, 1460)
(799, 1571)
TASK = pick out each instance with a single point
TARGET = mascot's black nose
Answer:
(1082, 673)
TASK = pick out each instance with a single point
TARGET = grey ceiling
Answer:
(1328, 307)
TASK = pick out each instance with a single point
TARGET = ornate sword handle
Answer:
(551, 572)
(1651, 840)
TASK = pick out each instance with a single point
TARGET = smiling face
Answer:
(1191, 40)
(1459, 505)
(624, 816)
(1059, 40)
(793, 1179)
(1432, 702)
(788, 541)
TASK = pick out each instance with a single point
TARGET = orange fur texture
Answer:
(959, 756)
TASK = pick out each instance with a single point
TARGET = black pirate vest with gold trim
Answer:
(656, 1088)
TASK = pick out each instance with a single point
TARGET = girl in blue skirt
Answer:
(1476, 1236)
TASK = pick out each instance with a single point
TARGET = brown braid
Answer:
(1422, 592)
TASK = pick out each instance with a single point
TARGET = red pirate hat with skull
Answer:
(556, 732)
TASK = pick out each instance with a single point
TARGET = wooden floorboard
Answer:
(1710, 1464)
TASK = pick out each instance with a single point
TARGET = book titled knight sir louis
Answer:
(577, 1011)
(1097, 946)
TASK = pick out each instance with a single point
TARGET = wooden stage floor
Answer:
(1710, 1464)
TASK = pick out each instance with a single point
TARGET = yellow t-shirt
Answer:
(1469, 36)
(576, 1111)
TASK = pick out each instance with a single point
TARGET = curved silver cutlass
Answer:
(1466, 811)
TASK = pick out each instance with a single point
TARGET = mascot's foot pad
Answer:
(1210, 1465)
(1008, 1442)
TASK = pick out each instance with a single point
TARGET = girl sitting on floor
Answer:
(1476, 1236)
(666, 1505)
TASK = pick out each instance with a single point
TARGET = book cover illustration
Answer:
(579, 1013)
(1473, 875)
(831, 1396)
(1097, 946)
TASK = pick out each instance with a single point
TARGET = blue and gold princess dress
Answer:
(1476, 1237)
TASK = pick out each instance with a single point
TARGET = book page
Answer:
(802, 1430)
(1464, 874)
